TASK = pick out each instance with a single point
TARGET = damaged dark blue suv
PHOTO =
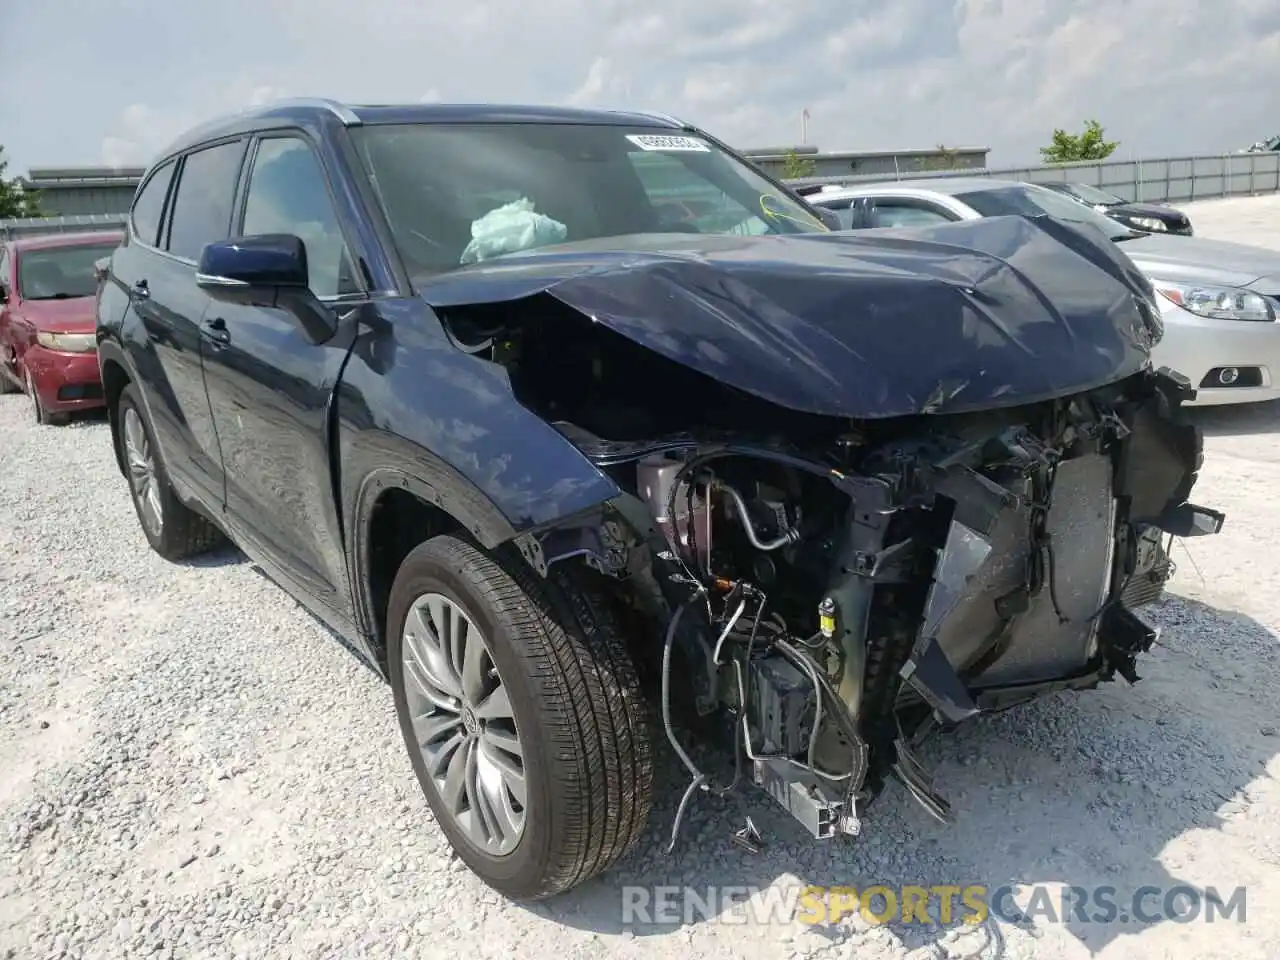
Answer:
(582, 431)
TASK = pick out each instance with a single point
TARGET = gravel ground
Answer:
(190, 766)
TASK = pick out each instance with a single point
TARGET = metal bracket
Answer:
(749, 838)
(806, 797)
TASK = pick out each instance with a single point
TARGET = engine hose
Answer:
(667, 647)
(700, 780)
(787, 536)
(778, 757)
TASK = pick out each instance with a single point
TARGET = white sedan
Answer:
(1219, 301)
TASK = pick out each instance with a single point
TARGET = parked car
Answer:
(1264, 146)
(1147, 217)
(1218, 301)
(556, 455)
(47, 342)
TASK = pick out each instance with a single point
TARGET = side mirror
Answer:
(266, 262)
(268, 270)
(863, 211)
(829, 218)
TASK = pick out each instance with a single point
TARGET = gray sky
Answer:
(111, 81)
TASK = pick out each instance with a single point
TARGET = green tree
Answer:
(14, 202)
(795, 166)
(948, 158)
(1089, 145)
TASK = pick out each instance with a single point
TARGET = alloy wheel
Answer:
(142, 471)
(463, 723)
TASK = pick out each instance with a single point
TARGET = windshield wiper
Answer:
(1131, 235)
(60, 296)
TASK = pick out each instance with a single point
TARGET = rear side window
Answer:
(148, 207)
(889, 214)
(206, 194)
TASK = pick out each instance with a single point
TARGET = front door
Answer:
(270, 387)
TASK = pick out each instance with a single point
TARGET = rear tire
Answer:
(578, 717)
(173, 529)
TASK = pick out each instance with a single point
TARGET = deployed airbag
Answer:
(513, 227)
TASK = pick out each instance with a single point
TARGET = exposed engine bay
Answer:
(831, 609)
(831, 586)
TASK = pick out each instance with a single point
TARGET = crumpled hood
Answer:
(984, 313)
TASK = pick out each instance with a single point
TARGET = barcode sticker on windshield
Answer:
(654, 141)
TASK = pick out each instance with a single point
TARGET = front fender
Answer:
(415, 412)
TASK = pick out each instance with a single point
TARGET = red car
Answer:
(48, 296)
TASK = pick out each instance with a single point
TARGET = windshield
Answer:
(1032, 201)
(1093, 195)
(463, 193)
(60, 273)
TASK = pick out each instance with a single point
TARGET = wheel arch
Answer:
(116, 375)
(396, 510)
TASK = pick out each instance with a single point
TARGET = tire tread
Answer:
(596, 717)
(184, 532)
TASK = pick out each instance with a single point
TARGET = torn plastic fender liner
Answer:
(1161, 461)
(928, 670)
(983, 314)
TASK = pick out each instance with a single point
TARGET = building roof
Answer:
(81, 178)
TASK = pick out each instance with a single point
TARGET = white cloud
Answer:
(140, 131)
(595, 84)
(1161, 75)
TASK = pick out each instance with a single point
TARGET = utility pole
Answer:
(804, 127)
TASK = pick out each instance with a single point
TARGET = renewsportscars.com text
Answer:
(936, 903)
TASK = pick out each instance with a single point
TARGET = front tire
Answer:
(8, 377)
(522, 714)
(42, 416)
(173, 529)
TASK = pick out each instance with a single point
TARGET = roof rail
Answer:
(339, 110)
(654, 115)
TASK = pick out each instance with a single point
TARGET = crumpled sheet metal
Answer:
(980, 314)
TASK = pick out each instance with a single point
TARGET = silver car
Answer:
(1219, 301)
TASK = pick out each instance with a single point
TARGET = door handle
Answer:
(216, 330)
(141, 290)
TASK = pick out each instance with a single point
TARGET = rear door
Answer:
(183, 206)
(270, 387)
